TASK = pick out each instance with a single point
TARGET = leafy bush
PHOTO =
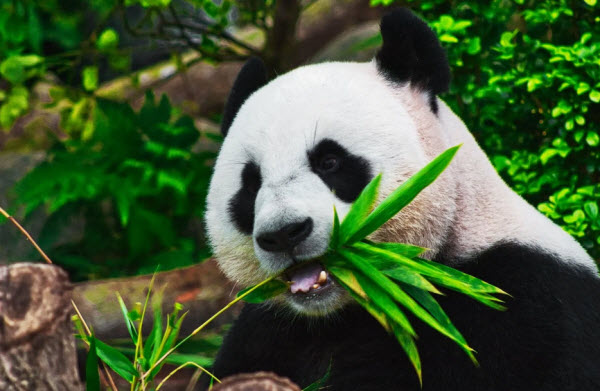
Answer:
(526, 81)
(137, 182)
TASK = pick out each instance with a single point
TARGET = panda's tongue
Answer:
(304, 278)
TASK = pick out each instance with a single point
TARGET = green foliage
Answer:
(83, 43)
(389, 278)
(526, 81)
(140, 365)
(138, 183)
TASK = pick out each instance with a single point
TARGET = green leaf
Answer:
(432, 306)
(115, 360)
(407, 276)
(347, 277)
(404, 194)
(407, 250)
(547, 155)
(180, 359)
(410, 348)
(474, 45)
(156, 333)
(92, 377)
(582, 88)
(592, 139)
(359, 210)
(128, 322)
(319, 384)
(173, 335)
(595, 96)
(13, 68)
(108, 39)
(265, 292)
(89, 78)
(382, 282)
(448, 38)
(384, 302)
(591, 208)
(443, 275)
(334, 243)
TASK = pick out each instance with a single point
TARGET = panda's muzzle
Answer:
(286, 238)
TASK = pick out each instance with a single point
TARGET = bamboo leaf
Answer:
(128, 322)
(433, 307)
(317, 385)
(92, 377)
(472, 282)
(179, 358)
(173, 335)
(115, 360)
(384, 259)
(347, 277)
(407, 250)
(410, 348)
(157, 334)
(359, 210)
(407, 276)
(385, 303)
(335, 235)
(403, 195)
(397, 294)
(371, 308)
(265, 292)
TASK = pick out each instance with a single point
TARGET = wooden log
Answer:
(37, 347)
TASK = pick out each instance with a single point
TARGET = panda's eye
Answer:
(329, 163)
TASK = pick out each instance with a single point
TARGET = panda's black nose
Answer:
(286, 238)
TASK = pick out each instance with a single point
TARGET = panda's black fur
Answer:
(547, 340)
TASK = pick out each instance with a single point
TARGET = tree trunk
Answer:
(37, 347)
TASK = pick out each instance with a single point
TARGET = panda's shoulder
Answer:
(546, 291)
(527, 267)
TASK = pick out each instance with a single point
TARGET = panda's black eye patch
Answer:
(344, 173)
(328, 163)
(241, 206)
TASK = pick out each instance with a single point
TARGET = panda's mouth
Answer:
(312, 289)
(308, 279)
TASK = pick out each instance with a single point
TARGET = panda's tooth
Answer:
(322, 277)
(316, 286)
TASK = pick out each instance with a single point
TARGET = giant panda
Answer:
(311, 139)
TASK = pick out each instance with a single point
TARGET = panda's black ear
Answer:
(252, 76)
(411, 52)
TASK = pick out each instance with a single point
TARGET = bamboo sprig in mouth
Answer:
(388, 279)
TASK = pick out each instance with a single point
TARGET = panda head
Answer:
(311, 140)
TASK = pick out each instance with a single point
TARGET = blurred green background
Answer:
(109, 110)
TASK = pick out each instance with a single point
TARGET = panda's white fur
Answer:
(468, 209)
(384, 117)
